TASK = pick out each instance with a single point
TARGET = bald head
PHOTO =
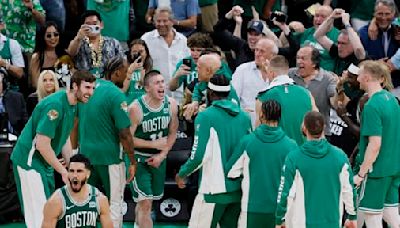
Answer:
(265, 50)
(321, 13)
(207, 66)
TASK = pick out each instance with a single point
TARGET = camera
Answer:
(95, 29)
(278, 16)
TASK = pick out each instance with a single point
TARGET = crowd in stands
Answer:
(42, 43)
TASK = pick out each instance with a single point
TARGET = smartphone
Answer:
(187, 62)
(278, 16)
(137, 56)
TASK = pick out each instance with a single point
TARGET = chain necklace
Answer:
(97, 55)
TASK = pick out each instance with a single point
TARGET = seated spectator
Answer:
(321, 83)
(47, 84)
(90, 50)
(186, 69)
(47, 51)
(11, 59)
(166, 47)
(64, 69)
(185, 14)
(349, 49)
(12, 103)
(140, 63)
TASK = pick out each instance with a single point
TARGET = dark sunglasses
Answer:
(49, 35)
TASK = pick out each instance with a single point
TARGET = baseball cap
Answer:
(256, 26)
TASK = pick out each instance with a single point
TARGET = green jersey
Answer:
(307, 38)
(259, 158)
(52, 117)
(310, 174)
(295, 102)
(380, 117)
(218, 129)
(75, 214)
(154, 124)
(100, 121)
(135, 89)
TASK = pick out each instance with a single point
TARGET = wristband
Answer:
(358, 174)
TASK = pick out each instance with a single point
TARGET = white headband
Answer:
(217, 88)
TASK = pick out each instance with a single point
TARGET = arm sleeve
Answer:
(237, 81)
(16, 54)
(197, 93)
(372, 126)
(287, 180)
(334, 52)
(192, 8)
(226, 38)
(348, 191)
(202, 134)
(49, 120)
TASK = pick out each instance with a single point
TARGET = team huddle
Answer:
(284, 173)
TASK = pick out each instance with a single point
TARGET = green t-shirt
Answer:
(187, 79)
(135, 89)
(307, 38)
(363, 10)
(85, 214)
(154, 124)
(52, 117)
(380, 117)
(100, 121)
(295, 102)
(258, 5)
(115, 16)
(20, 24)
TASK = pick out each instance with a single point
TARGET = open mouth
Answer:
(161, 92)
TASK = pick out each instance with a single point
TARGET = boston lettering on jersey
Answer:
(81, 219)
(155, 124)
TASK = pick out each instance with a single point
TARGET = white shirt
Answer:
(165, 58)
(16, 54)
(248, 82)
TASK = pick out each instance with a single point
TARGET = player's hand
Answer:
(132, 172)
(357, 180)
(190, 110)
(156, 160)
(160, 144)
(180, 181)
(350, 223)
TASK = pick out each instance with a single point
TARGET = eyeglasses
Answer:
(52, 34)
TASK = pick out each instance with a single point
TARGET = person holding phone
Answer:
(90, 50)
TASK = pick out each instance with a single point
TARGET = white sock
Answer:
(391, 216)
(373, 220)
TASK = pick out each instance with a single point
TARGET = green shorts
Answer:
(148, 183)
(377, 193)
(254, 220)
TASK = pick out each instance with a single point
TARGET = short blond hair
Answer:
(379, 72)
(41, 92)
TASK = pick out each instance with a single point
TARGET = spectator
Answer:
(47, 84)
(113, 13)
(47, 51)
(55, 11)
(379, 158)
(251, 78)
(185, 14)
(294, 100)
(321, 83)
(349, 49)
(384, 45)
(103, 127)
(209, 14)
(166, 46)
(11, 59)
(310, 174)
(207, 66)
(13, 104)
(139, 66)
(184, 74)
(222, 125)
(261, 154)
(21, 17)
(90, 50)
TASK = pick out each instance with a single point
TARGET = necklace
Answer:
(97, 55)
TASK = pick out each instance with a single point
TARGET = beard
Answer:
(77, 185)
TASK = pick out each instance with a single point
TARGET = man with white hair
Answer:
(251, 78)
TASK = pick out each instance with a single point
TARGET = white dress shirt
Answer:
(248, 82)
(16, 54)
(165, 58)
